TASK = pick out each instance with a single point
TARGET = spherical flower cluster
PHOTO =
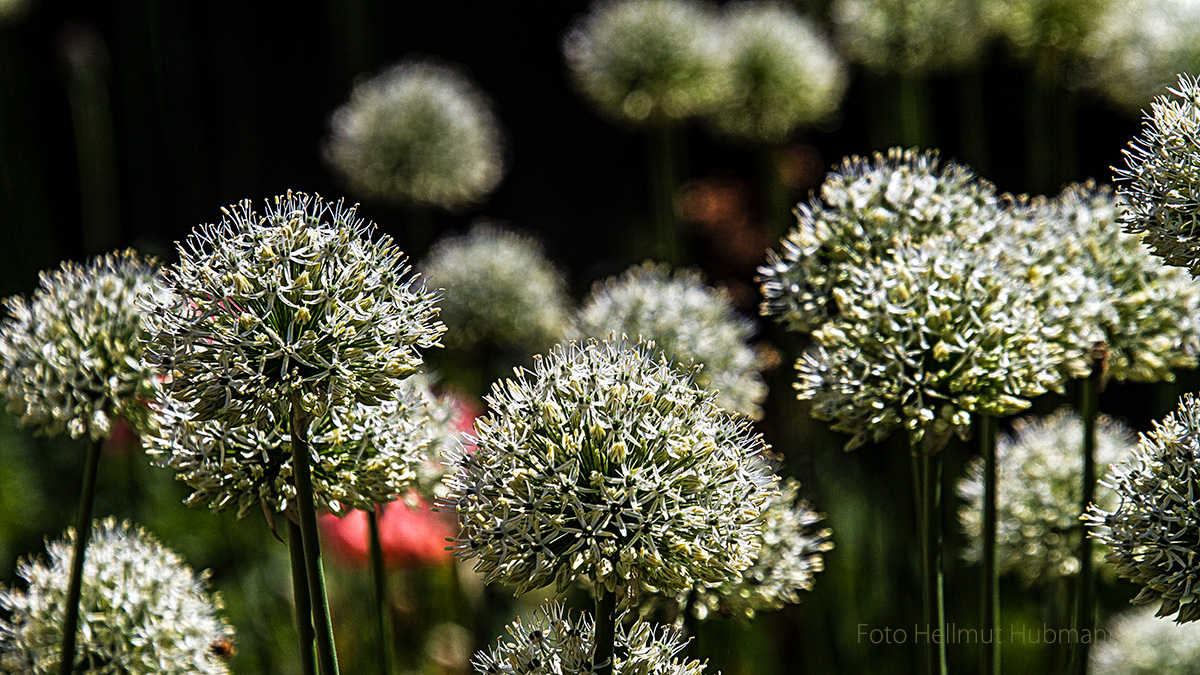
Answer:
(644, 61)
(1152, 530)
(1140, 643)
(1162, 177)
(1036, 27)
(498, 287)
(909, 36)
(793, 548)
(783, 74)
(1038, 493)
(419, 132)
(142, 610)
(554, 643)
(361, 456)
(606, 462)
(70, 359)
(688, 321)
(867, 208)
(927, 336)
(298, 302)
(1139, 46)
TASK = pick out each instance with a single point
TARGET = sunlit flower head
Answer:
(864, 209)
(606, 462)
(1152, 530)
(554, 642)
(142, 610)
(688, 321)
(299, 301)
(418, 132)
(910, 36)
(1161, 183)
(644, 61)
(1140, 45)
(498, 288)
(783, 73)
(1038, 493)
(70, 356)
(1140, 643)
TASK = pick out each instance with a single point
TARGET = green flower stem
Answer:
(326, 654)
(990, 604)
(377, 576)
(664, 181)
(83, 531)
(775, 202)
(606, 630)
(914, 111)
(929, 510)
(1085, 609)
(92, 120)
(304, 629)
(973, 118)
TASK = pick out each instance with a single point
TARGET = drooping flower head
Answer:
(1039, 470)
(142, 610)
(1152, 530)
(297, 301)
(644, 61)
(926, 337)
(1140, 643)
(1162, 177)
(70, 356)
(910, 36)
(783, 73)
(867, 208)
(1139, 46)
(498, 287)
(418, 132)
(606, 462)
(554, 642)
(689, 321)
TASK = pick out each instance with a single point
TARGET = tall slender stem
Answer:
(664, 181)
(1085, 610)
(304, 628)
(606, 630)
(323, 628)
(775, 202)
(929, 510)
(990, 604)
(915, 131)
(378, 578)
(83, 532)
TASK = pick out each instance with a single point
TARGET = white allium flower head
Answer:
(606, 462)
(642, 61)
(926, 337)
(1140, 45)
(1039, 469)
(866, 208)
(361, 456)
(498, 287)
(1152, 530)
(70, 356)
(142, 610)
(793, 547)
(556, 643)
(910, 36)
(1140, 643)
(299, 300)
(688, 321)
(1162, 177)
(1038, 27)
(418, 132)
(783, 73)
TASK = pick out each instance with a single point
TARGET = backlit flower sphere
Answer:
(927, 337)
(1153, 528)
(688, 321)
(1046, 29)
(642, 61)
(1140, 643)
(1039, 469)
(783, 73)
(499, 288)
(865, 209)
(1162, 177)
(142, 610)
(70, 359)
(1140, 45)
(909, 36)
(554, 643)
(418, 132)
(606, 462)
(299, 301)
(361, 456)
